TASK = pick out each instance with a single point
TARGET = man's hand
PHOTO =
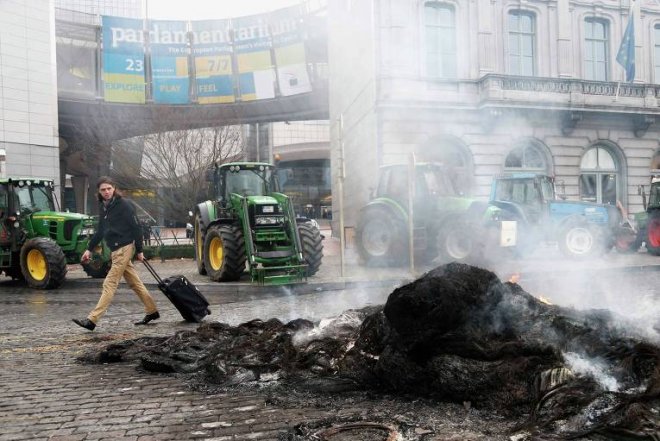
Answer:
(140, 257)
(87, 255)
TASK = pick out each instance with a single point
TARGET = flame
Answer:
(543, 299)
(515, 278)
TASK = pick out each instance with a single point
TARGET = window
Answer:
(598, 176)
(656, 54)
(596, 50)
(526, 157)
(440, 40)
(522, 39)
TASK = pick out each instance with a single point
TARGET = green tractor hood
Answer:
(65, 228)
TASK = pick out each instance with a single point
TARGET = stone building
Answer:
(490, 86)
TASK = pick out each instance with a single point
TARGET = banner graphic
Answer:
(168, 41)
(252, 45)
(123, 60)
(289, 49)
(212, 53)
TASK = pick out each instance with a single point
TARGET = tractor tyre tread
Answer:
(312, 247)
(233, 250)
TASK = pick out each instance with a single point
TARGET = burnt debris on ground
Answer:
(455, 335)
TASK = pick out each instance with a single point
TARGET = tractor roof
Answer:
(24, 179)
(246, 164)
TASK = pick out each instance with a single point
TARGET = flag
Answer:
(626, 55)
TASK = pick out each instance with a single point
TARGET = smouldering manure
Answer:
(457, 334)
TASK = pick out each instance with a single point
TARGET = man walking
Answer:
(123, 235)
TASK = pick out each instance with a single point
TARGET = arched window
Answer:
(452, 154)
(599, 176)
(522, 42)
(596, 49)
(528, 156)
(440, 40)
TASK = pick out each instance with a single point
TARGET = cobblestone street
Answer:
(46, 394)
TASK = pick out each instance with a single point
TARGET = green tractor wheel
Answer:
(224, 253)
(459, 241)
(381, 239)
(43, 263)
(312, 248)
(198, 244)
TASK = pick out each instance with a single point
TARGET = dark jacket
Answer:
(118, 225)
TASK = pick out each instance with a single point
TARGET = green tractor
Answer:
(251, 221)
(446, 225)
(36, 241)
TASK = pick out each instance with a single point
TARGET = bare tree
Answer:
(173, 165)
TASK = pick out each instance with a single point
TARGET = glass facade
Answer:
(119, 8)
(308, 183)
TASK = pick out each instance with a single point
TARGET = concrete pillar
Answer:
(80, 190)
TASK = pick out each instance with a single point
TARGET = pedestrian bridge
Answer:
(121, 77)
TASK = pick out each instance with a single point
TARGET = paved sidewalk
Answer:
(546, 262)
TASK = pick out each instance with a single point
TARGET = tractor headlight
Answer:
(268, 220)
(268, 209)
(87, 232)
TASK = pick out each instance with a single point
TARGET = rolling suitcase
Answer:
(185, 296)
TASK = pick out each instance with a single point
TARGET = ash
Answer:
(456, 354)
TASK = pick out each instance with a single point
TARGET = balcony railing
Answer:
(569, 92)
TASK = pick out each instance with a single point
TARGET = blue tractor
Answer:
(580, 229)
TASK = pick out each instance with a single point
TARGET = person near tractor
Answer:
(121, 230)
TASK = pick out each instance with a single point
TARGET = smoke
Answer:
(592, 367)
(599, 283)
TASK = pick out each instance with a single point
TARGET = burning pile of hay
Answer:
(457, 333)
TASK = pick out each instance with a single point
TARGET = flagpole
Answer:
(626, 55)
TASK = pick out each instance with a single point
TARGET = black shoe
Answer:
(85, 323)
(147, 318)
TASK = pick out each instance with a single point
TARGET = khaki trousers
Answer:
(122, 266)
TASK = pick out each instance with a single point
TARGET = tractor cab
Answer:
(431, 187)
(28, 196)
(245, 179)
(527, 195)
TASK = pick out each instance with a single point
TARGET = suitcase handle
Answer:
(152, 271)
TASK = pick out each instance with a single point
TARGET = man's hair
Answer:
(106, 180)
